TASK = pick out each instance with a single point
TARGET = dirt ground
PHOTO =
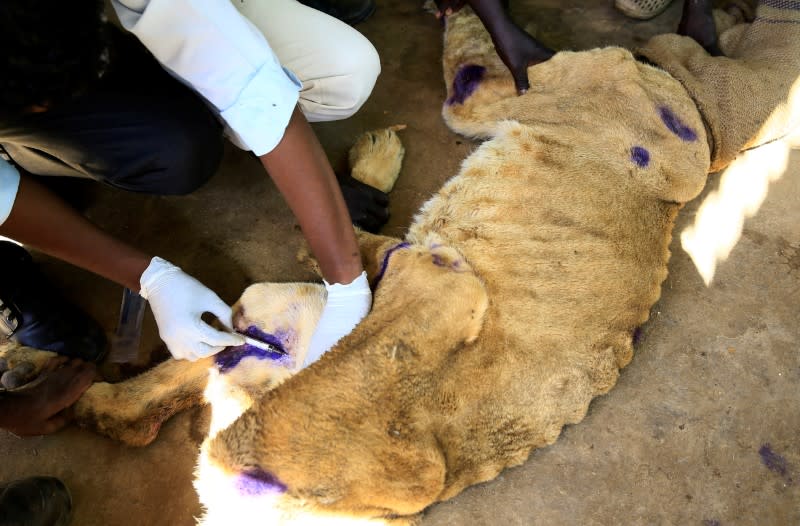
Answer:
(702, 427)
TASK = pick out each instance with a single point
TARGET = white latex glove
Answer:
(345, 306)
(178, 300)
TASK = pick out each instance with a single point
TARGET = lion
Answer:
(511, 303)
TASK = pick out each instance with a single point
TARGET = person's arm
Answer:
(227, 60)
(304, 176)
(218, 52)
(36, 217)
(224, 58)
(40, 219)
(302, 173)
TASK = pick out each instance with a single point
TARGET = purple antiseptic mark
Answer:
(637, 336)
(675, 125)
(385, 262)
(640, 156)
(774, 461)
(257, 482)
(230, 357)
(466, 80)
(439, 261)
(711, 522)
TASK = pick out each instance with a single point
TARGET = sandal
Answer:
(642, 9)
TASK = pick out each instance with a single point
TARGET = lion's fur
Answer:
(551, 240)
(511, 304)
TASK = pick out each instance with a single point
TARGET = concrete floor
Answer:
(702, 427)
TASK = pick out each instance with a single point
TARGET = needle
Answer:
(264, 346)
(258, 344)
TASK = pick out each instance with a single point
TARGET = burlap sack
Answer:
(750, 96)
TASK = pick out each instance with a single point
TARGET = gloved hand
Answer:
(368, 206)
(345, 306)
(178, 300)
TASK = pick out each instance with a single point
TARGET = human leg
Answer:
(348, 11)
(337, 79)
(336, 64)
(138, 129)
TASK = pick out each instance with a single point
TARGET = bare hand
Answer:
(44, 407)
(518, 50)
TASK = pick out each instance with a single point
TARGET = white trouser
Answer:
(337, 65)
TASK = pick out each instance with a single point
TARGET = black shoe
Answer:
(35, 501)
(348, 11)
(34, 314)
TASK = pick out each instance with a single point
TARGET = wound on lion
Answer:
(676, 125)
(640, 156)
(256, 482)
(230, 357)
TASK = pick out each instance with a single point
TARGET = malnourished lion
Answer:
(510, 304)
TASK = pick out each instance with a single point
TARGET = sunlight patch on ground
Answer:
(720, 219)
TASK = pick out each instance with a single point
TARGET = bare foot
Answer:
(697, 22)
(44, 407)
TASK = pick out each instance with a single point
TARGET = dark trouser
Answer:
(137, 129)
